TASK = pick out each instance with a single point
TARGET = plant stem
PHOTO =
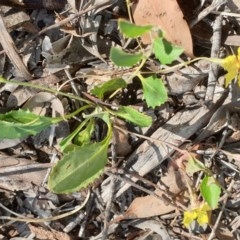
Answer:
(26, 84)
(136, 72)
(180, 65)
(70, 115)
(129, 10)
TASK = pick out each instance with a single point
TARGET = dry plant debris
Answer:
(129, 91)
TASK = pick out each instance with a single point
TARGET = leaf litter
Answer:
(75, 57)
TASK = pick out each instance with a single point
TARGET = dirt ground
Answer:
(153, 176)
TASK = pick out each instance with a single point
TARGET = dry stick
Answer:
(11, 51)
(53, 161)
(13, 170)
(186, 234)
(236, 15)
(214, 229)
(215, 4)
(112, 192)
(74, 222)
(212, 78)
(87, 214)
(108, 209)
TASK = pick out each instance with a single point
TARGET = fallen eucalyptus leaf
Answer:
(168, 17)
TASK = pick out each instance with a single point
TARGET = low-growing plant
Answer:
(210, 190)
(83, 159)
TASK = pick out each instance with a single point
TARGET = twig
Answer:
(213, 74)
(215, 5)
(53, 162)
(237, 15)
(24, 168)
(112, 192)
(76, 221)
(11, 51)
(186, 234)
(108, 208)
(87, 213)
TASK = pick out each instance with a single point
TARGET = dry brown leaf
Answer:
(174, 179)
(37, 103)
(122, 146)
(148, 206)
(167, 15)
(41, 233)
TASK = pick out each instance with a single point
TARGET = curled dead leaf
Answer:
(122, 146)
(37, 103)
(166, 15)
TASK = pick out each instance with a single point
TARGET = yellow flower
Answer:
(232, 65)
(200, 214)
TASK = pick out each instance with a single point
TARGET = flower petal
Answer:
(230, 64)
(205, 207)
(229, 77)
(188, 217)
(203, 217)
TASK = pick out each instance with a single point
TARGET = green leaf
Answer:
(166, 52)
(131, 30)
(193, 165)
(133, 116)
(81, 166)
(108, 87)
(68, 140)
(84, 137)
(20, 124)
(154, 91)
(210, 191)
(123, 59)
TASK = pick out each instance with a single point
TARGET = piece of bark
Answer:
(234, 5)
(176, 131)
